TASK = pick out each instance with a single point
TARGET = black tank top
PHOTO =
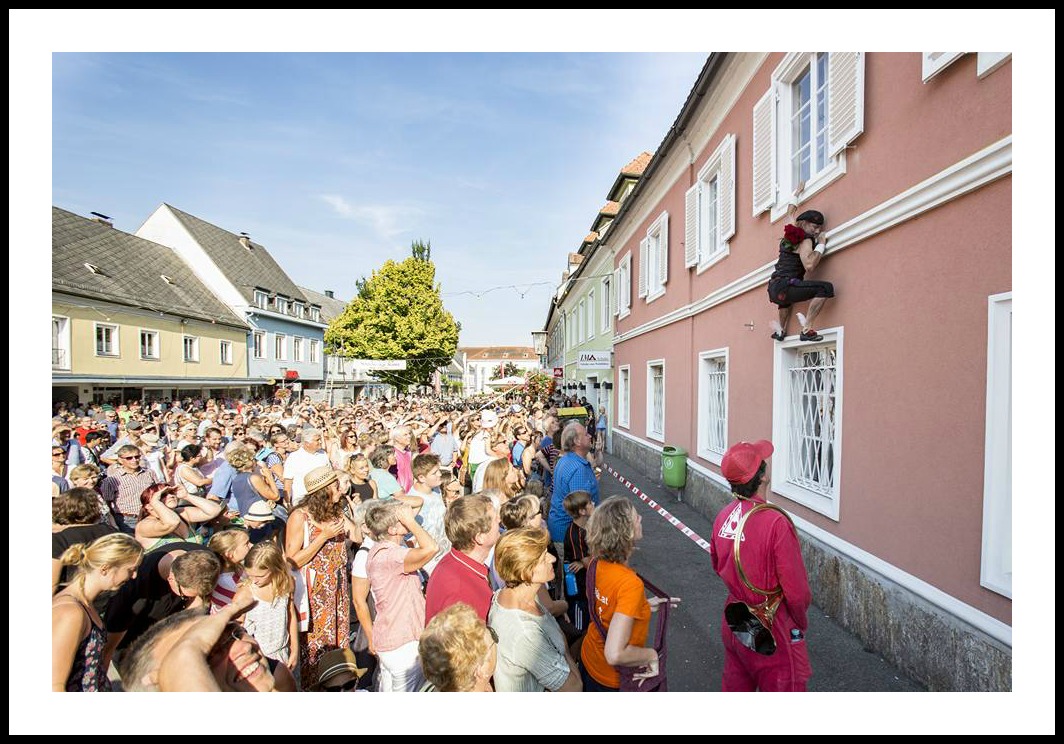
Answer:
(789, 265)
(364, 491)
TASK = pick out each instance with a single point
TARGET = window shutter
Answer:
(615, 295)
(845, 99)
(936, 62)
(663, 242)
(690, 246)
(626, 285)
(764, 177)
(643, 267)
(987, 62)
(727, 189)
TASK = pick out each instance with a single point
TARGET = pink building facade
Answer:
(892, 434)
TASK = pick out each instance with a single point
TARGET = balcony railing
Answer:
(59, 358)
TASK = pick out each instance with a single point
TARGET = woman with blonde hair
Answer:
(457, 651)
(533, 652)
(87, 475)
(500, 475)
(253, 481)
(231, 546)
(78, 632)
(620, 600)
(273, 620)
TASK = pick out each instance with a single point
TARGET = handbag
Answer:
(659, 682)
(752, 624)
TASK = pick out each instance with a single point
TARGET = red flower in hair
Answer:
(794, 234)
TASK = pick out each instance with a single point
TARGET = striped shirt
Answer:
(124, 488)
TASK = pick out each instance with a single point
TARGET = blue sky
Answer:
(337, 161)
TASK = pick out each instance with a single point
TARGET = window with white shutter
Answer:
(987, 62)
(654, 262)
(624, 286)
(996, 560)
(936, 62)
(710, 209)
(803, 124)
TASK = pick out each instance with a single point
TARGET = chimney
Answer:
(103, 219)
(245, 240)
(329, 294)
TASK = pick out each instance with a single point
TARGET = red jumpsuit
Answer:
(771, 556)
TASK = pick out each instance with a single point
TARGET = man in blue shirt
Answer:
(573, 472)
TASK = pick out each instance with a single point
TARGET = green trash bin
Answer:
(674, 466)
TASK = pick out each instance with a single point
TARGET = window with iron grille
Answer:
(807, 429)
(713, 404)
(656, 400)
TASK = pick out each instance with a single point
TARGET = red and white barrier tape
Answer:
(699, 541)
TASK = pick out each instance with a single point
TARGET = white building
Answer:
(482, 364)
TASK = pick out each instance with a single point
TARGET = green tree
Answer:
(398, 314)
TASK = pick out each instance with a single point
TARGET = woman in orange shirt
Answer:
(620, 600)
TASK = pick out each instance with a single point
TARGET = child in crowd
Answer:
(231, 547)
(273, 620)
(579, 506)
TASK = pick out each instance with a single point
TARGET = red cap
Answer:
(742, 461)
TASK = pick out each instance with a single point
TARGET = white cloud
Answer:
(386, 221)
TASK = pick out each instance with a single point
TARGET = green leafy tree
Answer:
(506, 369)
(398, 314)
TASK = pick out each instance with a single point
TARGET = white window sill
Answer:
(149, 359)
(656, 437)
(712, 260)
(624, 314)
(657, 293)
(817, 502)
(822, 180)
(710, 456)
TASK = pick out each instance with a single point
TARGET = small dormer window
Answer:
(261, 299)
(94, 269)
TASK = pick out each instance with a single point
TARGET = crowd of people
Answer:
(402, 545)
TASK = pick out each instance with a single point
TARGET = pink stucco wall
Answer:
(912, 302)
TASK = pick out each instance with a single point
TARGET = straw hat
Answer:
(319, 478)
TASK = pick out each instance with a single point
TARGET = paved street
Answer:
(677, 564)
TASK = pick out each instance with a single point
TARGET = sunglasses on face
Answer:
(230, 634)
(342, 687)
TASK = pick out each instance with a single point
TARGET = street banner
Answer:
(371, 365)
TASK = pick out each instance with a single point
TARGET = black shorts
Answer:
(785, 292)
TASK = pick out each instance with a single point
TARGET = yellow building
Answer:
(130, 320)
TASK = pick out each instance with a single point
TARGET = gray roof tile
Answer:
(330, 306)
(245, 269)
(132, 271)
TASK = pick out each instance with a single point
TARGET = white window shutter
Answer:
(845, 99)
(764, 177)
(727, 189)
(615, 295)
(987, 62)
(663, 243)
(690, 246)
(936, 62)
(643, 267)
(626, 285)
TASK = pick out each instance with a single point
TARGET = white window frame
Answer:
(784, 355)
(258, 339)
(622, 276)
(995, 570)
(936, 62)
(710, 215)
(62, 340)
(140, 344)
(589, 317)
(313, 351)
(297, 348)
(773, 181)
(654, 259)
(580, 323)
(299, 309)
(315, 314)
(194, 356)
(262, 299)
(658, 436)
(987, 62)
(605, 306)
(116, 350)
(280, 347)
(225, 352)
(624, 395)
(706, 449)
